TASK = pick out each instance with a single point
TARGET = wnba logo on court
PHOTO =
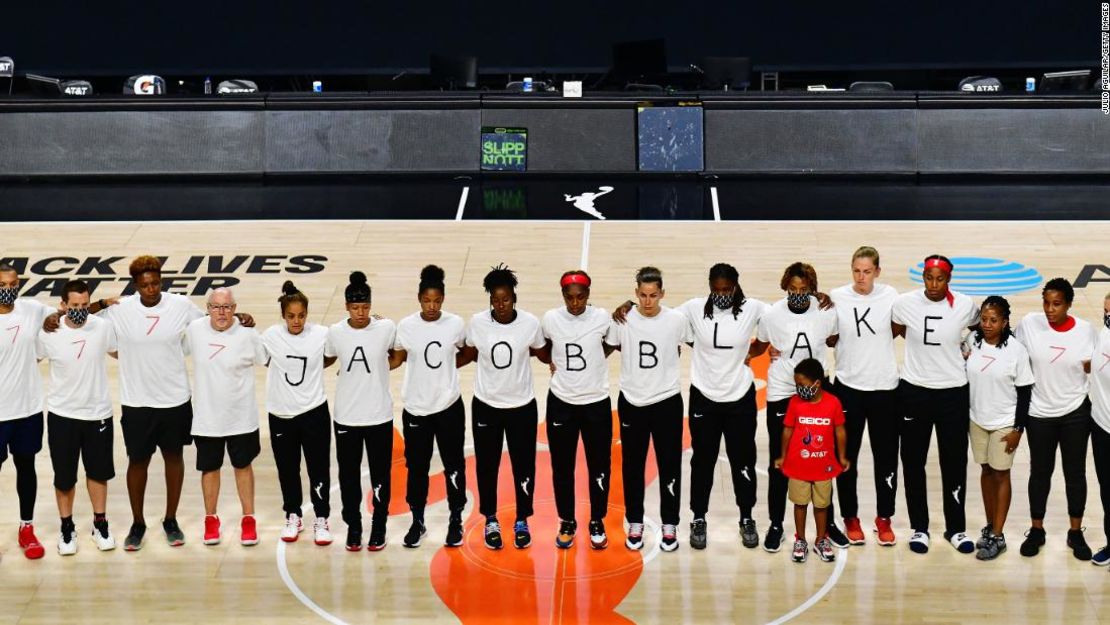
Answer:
(974, 275)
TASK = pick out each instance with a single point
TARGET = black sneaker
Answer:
(984, 536)
(522, 536)
(772, 542)
(134, 540)
(174, 536)
(836, 537)
(354, 538)
(598, 539)
(1078, 545)
(454, 532)
(698, 537)
(565, 538)
(993, 546)
(415, 535)
(1034, 540)
(749, 537)
(493, 533)
(377, 536)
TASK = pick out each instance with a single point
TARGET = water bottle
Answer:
(527, 84)
(207, 85)
(317, 86)
(1030, 84)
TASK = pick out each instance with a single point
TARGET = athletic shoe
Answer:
(854, 531)
(885, 533)
(984, 536)
(134, 540)
(598, 539)
(992, 548)
(174, 536)
(29, 543)
(961, 541)
(493, 533)
(801, 550)
(824, 550)
(1078, 545)
(635, 540)
(1034, 540)
(565, 538)
(772, 542)
(1102, 557)
(248, 531)
(67, 543)
(836, 537)
(415, 535)
(454, 531)
(698, 537)
(919, 542)
(211, 529)
(749, 537)
(321, 532)
(102, 536)
(670, 537)
(354, 538)
(293, 527)
(522, 537)
(377, 536)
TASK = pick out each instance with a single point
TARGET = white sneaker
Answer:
(962, 542)
(67, 547)
(104, 540)
(292, 527)
(635, 539)
(321, 533)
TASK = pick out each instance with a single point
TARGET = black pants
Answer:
(1070, 433)
(661, 425)
(948, 410)
(349, 443)
(736, 422)
(309, 432)
(446, 429)
(26, 484)
(594, 422)
(776, 480)
(878, 412)
(1100, 442)
(492, 428)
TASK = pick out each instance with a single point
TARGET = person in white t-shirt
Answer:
(79, 418)
(796, 328)
(298, 413)
(1000, 380)
(21, 423)
(225, 410)
(650, 407)
(502, 340)
(578, 405)
(363, 410)
(932, 392)
(1100, 430)
(1059, 347)
(428, 341)
(866, 382)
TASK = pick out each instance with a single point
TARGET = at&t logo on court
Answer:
(975, 275)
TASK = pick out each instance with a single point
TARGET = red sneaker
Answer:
(30, 545)
(854, 532)
(249, 531)
(882, 528)
(211, 529)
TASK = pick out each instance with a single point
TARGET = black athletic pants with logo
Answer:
(661, 425)
(735, 421)
(776, 481)
(948, 410)
(565, 423)
(447, 429)
(349, 443)
(878, 411)
(309, 432)
(1070, 433)
(492, 429)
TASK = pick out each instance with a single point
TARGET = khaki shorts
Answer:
(987, 447)
(802, 493)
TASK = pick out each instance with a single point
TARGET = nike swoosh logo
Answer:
(907, 418)
(103, 428)
(481, 425)
(278, 434)
(624, 425)
(780, 414)
(697, 416)
(557, 424)
(341, 431)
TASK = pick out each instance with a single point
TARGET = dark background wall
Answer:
(68, 37)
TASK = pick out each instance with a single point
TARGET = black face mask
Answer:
(722, 302)
(797, 301)
(8, 296)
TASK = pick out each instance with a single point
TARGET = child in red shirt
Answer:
(811, 457)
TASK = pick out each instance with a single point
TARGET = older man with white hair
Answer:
(225, 411)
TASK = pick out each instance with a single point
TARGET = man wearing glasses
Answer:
(225, 411)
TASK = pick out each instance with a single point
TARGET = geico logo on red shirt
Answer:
(814, 420)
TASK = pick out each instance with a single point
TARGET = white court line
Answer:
(716, 206)
(584, 263)
(462, 203)
(841, 562)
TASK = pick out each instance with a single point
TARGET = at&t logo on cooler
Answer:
(975, 275)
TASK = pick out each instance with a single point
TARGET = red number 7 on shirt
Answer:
(1062, 350)
(82, 349)
(16, 335)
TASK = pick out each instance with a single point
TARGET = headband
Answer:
(574, 278)
(946, 267)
